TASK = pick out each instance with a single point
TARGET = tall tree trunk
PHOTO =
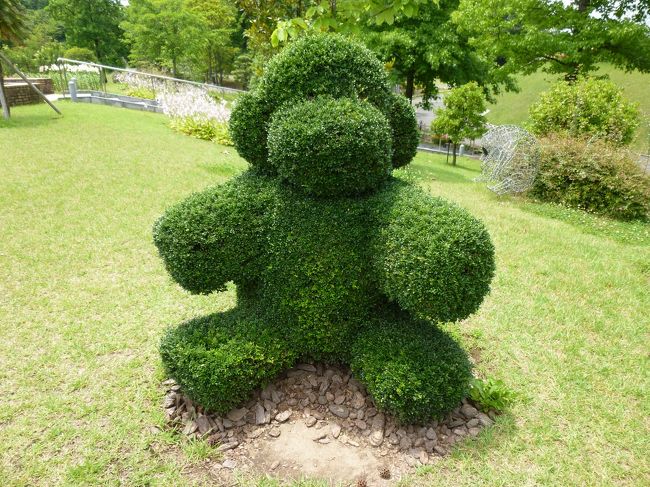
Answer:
(97, 50)
(174, 67)
(453, 158)
(410, 84)
(6, 113)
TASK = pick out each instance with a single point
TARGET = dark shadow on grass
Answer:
(19, 120)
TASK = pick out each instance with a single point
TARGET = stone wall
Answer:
(20, 93)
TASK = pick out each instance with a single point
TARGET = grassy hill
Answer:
(513, 107)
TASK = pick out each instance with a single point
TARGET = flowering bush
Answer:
(87, 76)
(191, 109)
(70, 68)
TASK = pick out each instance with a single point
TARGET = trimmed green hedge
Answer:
(196, 240)
(219, 359)
(405, 132)
(412, 368)
(315, 66)
(330, 65)
(347, 142)
(248, 130)
(333, 258)
(432, 257)
(592, 176)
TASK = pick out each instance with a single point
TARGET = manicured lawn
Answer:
(513, 107)
(84, 299)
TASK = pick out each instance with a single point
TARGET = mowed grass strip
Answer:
(84, 299)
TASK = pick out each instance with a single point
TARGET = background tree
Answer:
(12, 30)
(569, 37)
(462, 117)
(218, 54)
(590, 107)
(165, 33)
(427, 47)
(43, 43)
(93, 24)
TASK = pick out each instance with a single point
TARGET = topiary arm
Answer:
(433, 258)
(217, 235)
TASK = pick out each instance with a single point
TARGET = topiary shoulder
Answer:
(333, 258)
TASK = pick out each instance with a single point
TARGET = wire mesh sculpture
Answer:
(510, 160)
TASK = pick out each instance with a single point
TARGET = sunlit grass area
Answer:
(84, 299)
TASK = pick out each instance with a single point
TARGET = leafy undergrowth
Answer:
(84, 300)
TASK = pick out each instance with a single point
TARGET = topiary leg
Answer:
(412, 368)
(220, 359)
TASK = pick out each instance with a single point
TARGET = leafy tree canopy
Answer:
(93, 24)
(427, 47)
(569, 37)
(164, 32)
(463, 116)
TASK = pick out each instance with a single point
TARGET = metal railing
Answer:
(102, 68)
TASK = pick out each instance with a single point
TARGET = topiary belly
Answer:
(319, 279)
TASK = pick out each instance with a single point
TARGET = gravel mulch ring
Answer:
(318, 421)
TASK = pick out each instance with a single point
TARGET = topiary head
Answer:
(323, 119)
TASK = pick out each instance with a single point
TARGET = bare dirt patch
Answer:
(318, 421)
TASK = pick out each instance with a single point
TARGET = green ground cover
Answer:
(84, 300)
(513, 107)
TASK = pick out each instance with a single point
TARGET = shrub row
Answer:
(592, 176)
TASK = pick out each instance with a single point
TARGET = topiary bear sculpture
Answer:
(333, 258)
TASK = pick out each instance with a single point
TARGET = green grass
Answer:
(512, 108)
(84, 299)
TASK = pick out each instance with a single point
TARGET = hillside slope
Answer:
(512, 108)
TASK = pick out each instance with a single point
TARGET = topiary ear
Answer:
(404, 128)
(248, 129)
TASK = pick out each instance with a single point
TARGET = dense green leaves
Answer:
(316, 65)
(412, 369)
(12, 21)
(427, 49)
(324, 65)
(219, 359)
(325, 246)
(463, 115)
(248, 129)
(321, 272)
(405, 132)
(590, 107)
(93, 24)
(331, 147)
(162, 31)
(593, 176)
(196, 238)
(433, 258)
(569, 37)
